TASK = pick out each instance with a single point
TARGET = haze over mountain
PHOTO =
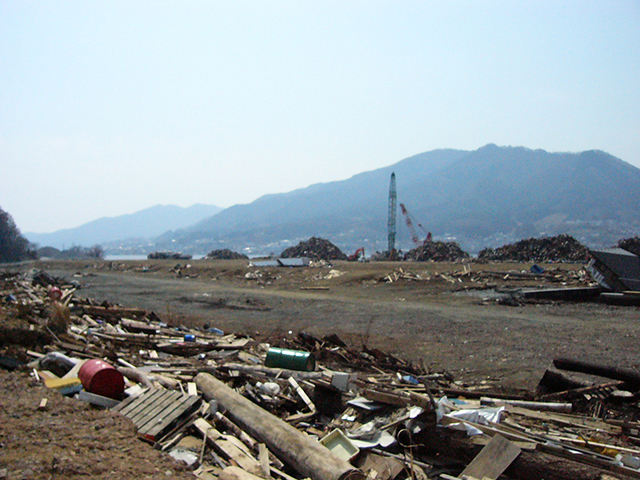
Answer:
(487, 197)
(145, 224)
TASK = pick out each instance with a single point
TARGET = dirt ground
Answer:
(69, 439)
(430, 313)
(451, 317)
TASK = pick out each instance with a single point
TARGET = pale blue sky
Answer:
(110, 107)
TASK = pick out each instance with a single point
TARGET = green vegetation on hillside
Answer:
(13, 246)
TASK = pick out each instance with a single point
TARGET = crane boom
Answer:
(409, 222)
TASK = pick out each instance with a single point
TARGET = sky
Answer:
(110, 107)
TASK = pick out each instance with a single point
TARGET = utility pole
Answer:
(392, 214)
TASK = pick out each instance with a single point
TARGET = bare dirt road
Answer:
(450, 322)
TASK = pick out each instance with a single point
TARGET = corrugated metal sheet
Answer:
(283, 262)
(266, 263)
(294, 262)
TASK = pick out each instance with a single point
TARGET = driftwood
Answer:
(306, 455)
(556, 381)
(615, 373)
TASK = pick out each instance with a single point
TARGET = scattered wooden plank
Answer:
(493, 459)
(385, 397)
(231, 450)
(540, 406)
(302, 394)
(43, 404)
(263, 456)
(386, 468)
(593, 460)
(235, 473)
(113, 311)
(192, 389)
(567, 420)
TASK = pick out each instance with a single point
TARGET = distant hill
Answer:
(482, 198)
(145, 224)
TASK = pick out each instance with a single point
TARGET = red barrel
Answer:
(102, 379)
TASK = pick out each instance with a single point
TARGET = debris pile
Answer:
(226, 254)
(436, 252)
(306, 407)
(387, 256)
(631, 245)
(316, 249)
(168, 256)
(561, 248)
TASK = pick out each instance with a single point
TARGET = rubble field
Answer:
(403, 336)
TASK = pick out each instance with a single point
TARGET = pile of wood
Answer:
(316, 249)
(354, 413)
(225, 254)
(561, 248)
(436, 252)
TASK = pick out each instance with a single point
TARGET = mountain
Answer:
(487, 197)
(144, 224)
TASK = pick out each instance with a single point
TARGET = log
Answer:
(556, 381)
(615, 373)
(309, 457)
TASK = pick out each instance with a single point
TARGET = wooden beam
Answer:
(309, 457)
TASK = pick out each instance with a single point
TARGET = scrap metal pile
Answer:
(305, 407)
(316, 249)
(437, 252)
(561, 248)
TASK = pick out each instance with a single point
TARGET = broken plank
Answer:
(302, 394)
(493, 459)
(387, 468)
(385, 397)
(192, 389)
(235, 473)
(229, 449)
(263, 457)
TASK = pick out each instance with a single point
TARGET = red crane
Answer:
(359, 253)
(412, 229)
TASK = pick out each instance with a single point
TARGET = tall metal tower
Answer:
(392, 213)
